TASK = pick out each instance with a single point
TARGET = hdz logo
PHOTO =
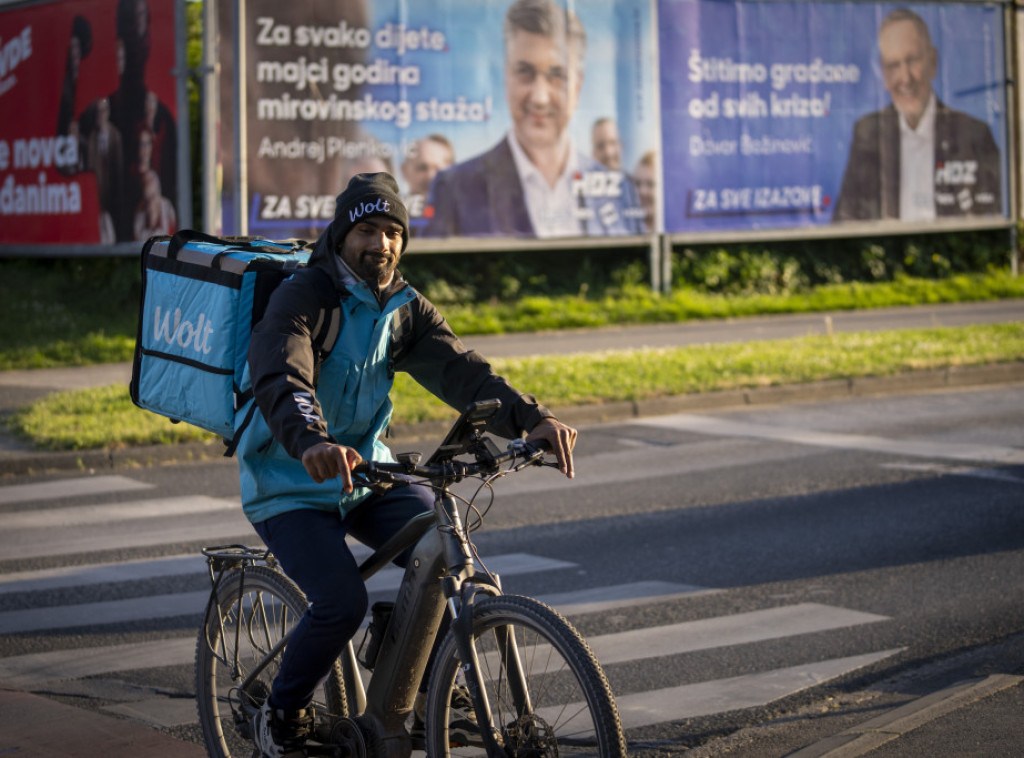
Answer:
(956, 172)
(183, 333)
(598, 184)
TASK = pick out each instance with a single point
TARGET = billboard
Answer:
(512, 99)
(88, 142)
(801, 114)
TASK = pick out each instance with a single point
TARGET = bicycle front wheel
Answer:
(547, 693)
(238, 654)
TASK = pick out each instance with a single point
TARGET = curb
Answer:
(874, 733)
(30, 462)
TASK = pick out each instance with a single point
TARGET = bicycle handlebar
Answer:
(526, 453)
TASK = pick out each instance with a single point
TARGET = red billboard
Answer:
(88, 142)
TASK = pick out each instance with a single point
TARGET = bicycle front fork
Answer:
(511, 669)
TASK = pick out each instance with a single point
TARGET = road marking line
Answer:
(28, 671)
(223, 525)
(653, 462)
(620, 596)
(735, 693)
(105, 612)
(72, 664)
(918, 448)
(42, 580)
(90, 485)
(940, 468)
(86, 515)
(194, 603)
(719, 631)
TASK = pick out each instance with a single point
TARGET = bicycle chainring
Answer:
(350, 738)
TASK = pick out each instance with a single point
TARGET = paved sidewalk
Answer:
(34, 726)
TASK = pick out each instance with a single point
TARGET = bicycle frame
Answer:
(440, 573)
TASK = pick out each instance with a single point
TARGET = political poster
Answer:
(88, 145)
(498, 118)
(802, 114)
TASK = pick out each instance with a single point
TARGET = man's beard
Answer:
(376, 268)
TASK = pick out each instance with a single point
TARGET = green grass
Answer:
(63, 317)
(640, 305)
(106, 418)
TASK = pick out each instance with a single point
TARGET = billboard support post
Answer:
(654, 261)
(210, 97)
(241, 123)
(182, 74)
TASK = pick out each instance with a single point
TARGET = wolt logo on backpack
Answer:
(184, 333)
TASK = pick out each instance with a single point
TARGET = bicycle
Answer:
(512, 677)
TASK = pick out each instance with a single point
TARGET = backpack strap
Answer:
(323, 336)
(401, 336)
(328, 323)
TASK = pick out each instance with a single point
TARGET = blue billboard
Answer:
(796, 114)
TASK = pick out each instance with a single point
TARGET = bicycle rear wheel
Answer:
(567, 707)
(240, 636)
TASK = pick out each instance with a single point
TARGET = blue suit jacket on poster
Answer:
(483, 197)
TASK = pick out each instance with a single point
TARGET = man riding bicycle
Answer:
(317, 419)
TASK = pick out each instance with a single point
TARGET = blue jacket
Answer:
(355, 409)
(302, 402)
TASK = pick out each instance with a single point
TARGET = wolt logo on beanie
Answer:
(369, 195)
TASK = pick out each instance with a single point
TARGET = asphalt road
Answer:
(753, 579)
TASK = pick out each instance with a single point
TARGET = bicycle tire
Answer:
(573, 712)
(270, 605)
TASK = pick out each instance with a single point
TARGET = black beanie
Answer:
(369, 195)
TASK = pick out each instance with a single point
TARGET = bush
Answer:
(797, 265)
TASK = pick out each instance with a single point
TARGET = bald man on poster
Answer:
(917, 159)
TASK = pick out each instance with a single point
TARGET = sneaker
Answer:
(462, 726)
(281, 734)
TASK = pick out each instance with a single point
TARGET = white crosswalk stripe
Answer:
(140, 522)
(78, 487)
(959, 451)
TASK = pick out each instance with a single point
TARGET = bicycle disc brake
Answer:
(530, 736)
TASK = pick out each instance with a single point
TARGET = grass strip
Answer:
(77, 331)
(105, 417)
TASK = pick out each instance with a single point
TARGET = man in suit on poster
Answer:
(917, 159)
(535, 182)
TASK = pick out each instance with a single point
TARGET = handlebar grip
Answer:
(542, 445)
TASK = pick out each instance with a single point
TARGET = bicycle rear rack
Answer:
(220, 558)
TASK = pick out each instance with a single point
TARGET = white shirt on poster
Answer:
(553, 210)
(917, 167)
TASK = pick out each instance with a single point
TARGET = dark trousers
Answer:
(310, 546)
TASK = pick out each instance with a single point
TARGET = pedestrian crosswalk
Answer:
(51, 529)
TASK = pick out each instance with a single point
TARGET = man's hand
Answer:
(325, 460)
(562, 439)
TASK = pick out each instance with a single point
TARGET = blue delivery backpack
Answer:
(201, 297)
